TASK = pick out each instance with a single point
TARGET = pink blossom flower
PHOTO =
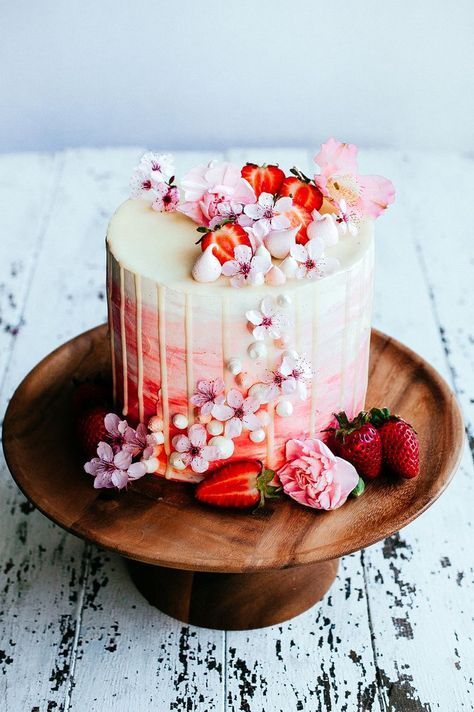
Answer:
(167, 198)
(153, 170)
(208, 395)
(246, 268)
(238, 413)
(339, 179)
(113, 469)
(270, 213)
(137, 441)
(229, 210)
(312, 262)
(298, 369)
(193, 449)
(116, 430)
(313, 476)
(270, 322)
(207, 186)
(277, 384)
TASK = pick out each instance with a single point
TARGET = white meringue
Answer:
(324, 227)
(207, 267)
(275, 277)
(289, 266)
(280, 242)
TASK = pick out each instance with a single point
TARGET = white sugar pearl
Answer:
(235, 366)
(257, 349)
(263, 417)
(215, 427)
(180, 421)
(176, 461)
(283, 300)
(257, 436)
(157, 438)
(155, 424)
(224, 445)
(284, 408)
(151, 465)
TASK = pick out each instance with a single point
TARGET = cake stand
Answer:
(213, 568)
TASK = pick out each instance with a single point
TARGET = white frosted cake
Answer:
(260, 332)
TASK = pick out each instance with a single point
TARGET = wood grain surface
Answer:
(396, 630)
(160, 522)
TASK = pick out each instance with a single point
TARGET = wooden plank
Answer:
(324, 658)
(420, 582)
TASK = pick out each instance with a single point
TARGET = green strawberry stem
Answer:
(379, 416)
(267, 491)
(359, 488)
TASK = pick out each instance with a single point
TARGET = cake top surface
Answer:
(229, 225)
(162, 247)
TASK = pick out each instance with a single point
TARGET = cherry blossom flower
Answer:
(347, 220)
(193, 449)
(154, 169)
(339, 179)
(207, 186)
(246, 268)
(297, 368)
(270, 322)
(238, 413)
(312, 262)
(167, 198)
(116, 430)
(277, 384)
(138, 441)
(257, 233)
(208, 395)
(113, 469)
(270, 212)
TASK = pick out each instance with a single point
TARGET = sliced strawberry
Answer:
(90, 429)
(240, 484)
(226, 238)
(304, 194)
(299, 216)
(263, 179)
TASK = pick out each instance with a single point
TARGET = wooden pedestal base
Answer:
(234, 601)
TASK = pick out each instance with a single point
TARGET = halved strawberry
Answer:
(239, 484)
(304, 194)
(299, 216)
(263, 179)
(226, 238)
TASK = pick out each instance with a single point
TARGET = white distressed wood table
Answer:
(396, 631)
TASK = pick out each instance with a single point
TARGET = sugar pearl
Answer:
(284, 408)
(215, 427)
(155, 424)
(157, 438)
(151, 465)
(244, 380)
(257, 436)
(180, 421)
(283, 300)
(224, 445)
(257, 349)
(235, 366)
(176, 461)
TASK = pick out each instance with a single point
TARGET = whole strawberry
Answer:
(358, 441)
(400, 445)
(90, 429)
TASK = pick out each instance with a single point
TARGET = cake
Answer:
(231, 340)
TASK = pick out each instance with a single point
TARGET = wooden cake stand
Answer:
(223, 569)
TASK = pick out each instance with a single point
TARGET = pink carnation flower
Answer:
(113, 469)
(339, 180)
(313, 476)
(193, 449)
(207, 186)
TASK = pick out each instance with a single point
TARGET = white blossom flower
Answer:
(246, 268)
(193, 449)
(269, 212)
(270, 322)
(312, 262)
(347, 219)
(299, 369)
(238, 413)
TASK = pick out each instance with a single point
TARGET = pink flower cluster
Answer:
(122, 457)
(314, 476)
(233, 409)
(153, 179)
